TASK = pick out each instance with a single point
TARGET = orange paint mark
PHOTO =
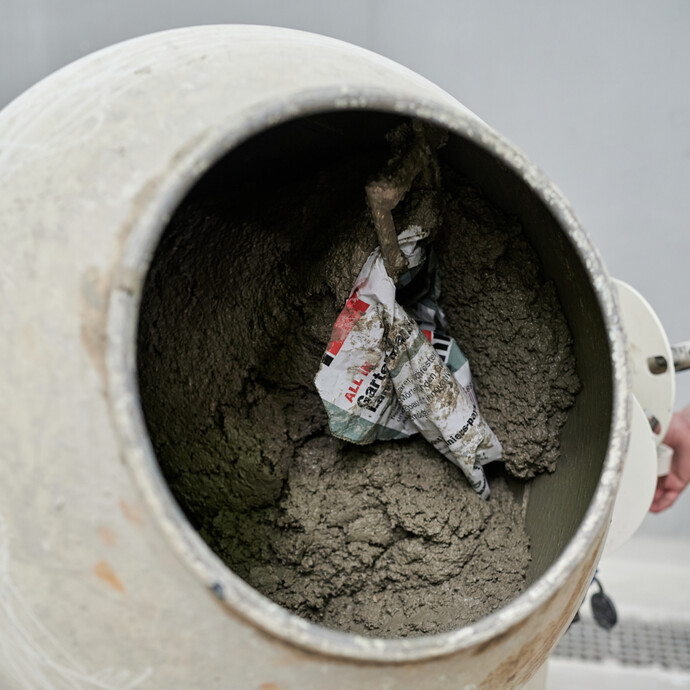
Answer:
(269, 686)
(132, 512)
(106, 536)
(106, 573)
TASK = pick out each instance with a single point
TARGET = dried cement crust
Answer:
(387, 539)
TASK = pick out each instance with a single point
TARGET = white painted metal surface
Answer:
(654, 394)
(647, 338)
(104, 583)
(638, 481)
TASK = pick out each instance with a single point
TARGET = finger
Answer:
(673, 435)
(658, 495)
(678, 434)
(665, 501)
(660, 487)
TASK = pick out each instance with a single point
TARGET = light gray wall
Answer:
(597, 93)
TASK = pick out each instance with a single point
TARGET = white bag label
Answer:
(386, 375)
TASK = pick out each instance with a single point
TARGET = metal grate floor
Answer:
(631, 643)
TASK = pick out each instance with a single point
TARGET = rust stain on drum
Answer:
(132, 513)
(104, 572)
(107, 536)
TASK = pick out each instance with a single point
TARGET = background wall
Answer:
(595, 93)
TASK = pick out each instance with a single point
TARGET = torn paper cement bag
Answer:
(385, 376)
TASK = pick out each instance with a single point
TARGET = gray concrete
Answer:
(595, 93)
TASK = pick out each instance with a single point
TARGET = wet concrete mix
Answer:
(384, 540)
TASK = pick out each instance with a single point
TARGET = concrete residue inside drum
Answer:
(386, 539)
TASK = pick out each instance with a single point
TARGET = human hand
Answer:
(668, 488)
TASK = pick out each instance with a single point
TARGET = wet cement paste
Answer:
(386, 539)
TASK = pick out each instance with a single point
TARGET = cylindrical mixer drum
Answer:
(105, 583)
